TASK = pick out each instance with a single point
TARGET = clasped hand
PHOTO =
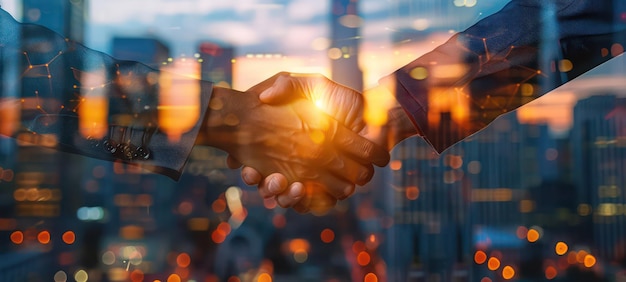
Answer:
(346, 158)
(294, 141)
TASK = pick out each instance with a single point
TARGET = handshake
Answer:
(303, 139)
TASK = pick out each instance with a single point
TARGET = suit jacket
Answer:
(94, 105)
(506, 60)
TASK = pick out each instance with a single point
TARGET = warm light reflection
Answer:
(532, 235)
(561, 248)
(454, 101)
(264, 277)
(327, 235)
(179, 97)
(183, 260)
(551, 272)
(395, 164)
(136, 275)
(9, 116)
(297, 245)
(378, 102)
(93, 114)
(412, 192)
(17, 237)
(173, 278)
(370, 277)
(589, 261)
(521, 232)
(68, 237)
(43, 237)
(493, 263)
(581, 255)
(358, 246)
(363, 258)
(508, 272)
(480, 257)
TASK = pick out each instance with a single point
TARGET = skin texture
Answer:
(295, 139)
(346, 106)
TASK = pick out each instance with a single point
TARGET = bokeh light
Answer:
(532, 235)
(17, 237)
(183, 260)
(264, 277)
(589, 261)
(81, 276)
(508, 272)
(480, 257)
(551, 272)
(43, 237)
(68, 237)
(173, 278)
(363, 258)
(560, 248)
(370, 277)
(60, 276)
(493, 263)
(327, 235)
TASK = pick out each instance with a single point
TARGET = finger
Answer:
(315, 200)
(351, 170)
(281, 90)
(359, 147)
(251, 176)
(333, 185)
(273, 185)
(260, 87)
(291, 196)
(232, 163)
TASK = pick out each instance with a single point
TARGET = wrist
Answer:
(387, 120)
(224, 115)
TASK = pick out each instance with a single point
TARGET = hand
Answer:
(342, 103)
(295, 139)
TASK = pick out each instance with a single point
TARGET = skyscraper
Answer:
(599, 149)
(217, 63)
(65, 17)
(344, 48)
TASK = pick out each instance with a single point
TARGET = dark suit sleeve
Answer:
(504, 61)
(83, 101)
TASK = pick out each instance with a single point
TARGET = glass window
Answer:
(520, 174)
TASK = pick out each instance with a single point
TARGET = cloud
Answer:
(307, 10)
(368, 7)
(117, 11)
(233, 32)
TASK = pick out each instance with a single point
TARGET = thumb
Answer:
(282, 90)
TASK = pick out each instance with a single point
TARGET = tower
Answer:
(344, 49)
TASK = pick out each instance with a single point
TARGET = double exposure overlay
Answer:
(114, 137)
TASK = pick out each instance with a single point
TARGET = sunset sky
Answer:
(292, 35)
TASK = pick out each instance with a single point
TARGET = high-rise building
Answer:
(217, 63)
(41, 175)
(599, 148)
(65, 17)
(148, 51)
(344, 48)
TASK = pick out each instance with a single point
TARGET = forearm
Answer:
(219, 127)
(95, 105)
(504, 61)
(387, 121)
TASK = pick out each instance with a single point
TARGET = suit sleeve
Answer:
(506, 60)
(88, 103)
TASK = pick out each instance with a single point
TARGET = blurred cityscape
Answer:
(512, 202)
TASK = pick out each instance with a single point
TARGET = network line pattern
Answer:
(492, 68)
(59, 83)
